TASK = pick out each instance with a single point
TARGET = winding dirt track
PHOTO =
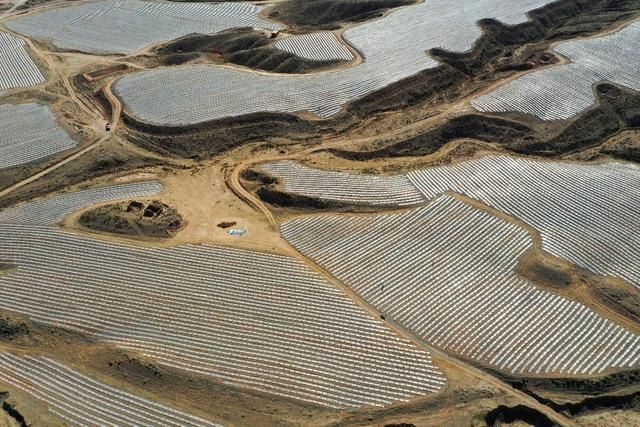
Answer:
(233, 182)
(55, 166)
(116, 108)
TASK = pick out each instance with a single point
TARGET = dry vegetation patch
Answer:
(134, 218)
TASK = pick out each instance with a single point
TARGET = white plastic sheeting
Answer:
(126, 26)
(394, 47)
(560, 92)
(29, 132)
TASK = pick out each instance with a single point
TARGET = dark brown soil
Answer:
(571, 281)
(268, 190)
(547, 273)
(279, 198)
(10, 329)
(506, 415)
(139, 219)
(241, 46)
(587, 386)
(111, 157)
(496, 55)
(106, 72)
(601, 387)
(12, 411)
(6, 267)
(329, 14)
(617, 110)
(259, 177)
(206, 140)
(622, 297)
(226, 224)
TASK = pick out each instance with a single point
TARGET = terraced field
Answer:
(446, 272)
(579, 209)
(344, 187)
(17, 69)
(255, 320)
(113, 26)
(585, 213)
(321, 46)
(563, 91)
(81, 400)
(393, 47)
(52, 210)
(29, 132)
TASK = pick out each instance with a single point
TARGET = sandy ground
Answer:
(201, 193)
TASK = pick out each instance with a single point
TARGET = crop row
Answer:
(52, 210)
(252, 320)
(584, 213)
(126, 26)
(81, 400)
(249, 319)
(321, 46)
(578, 209)
(393, 47)
(446, 272)
(344, 187)
(17, 69)
(563, 91)
(29, 132)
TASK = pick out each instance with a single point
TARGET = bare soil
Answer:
(329, 14)
(246, 47)
(406, 112)
(134, 218)
(420, 121)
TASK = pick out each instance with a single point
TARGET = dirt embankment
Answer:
(603, 294)
(240, 46)
(617, 110)
(282, 199)
(110, 158)
(207, 140)
(604, 394)
(269, 190)
(592, 386)
(496, 55)
(134, 218)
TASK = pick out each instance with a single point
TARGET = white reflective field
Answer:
(321, 46)
(394, 47)
(126, 26)
(29, 132)
(80, 400)
(446, 271)
(343, 187)
(585, 213)
(250, 319)
(17, 69)
(563, 91)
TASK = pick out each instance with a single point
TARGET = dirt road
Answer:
(50, 169)
(116, 108)
(234, 184)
